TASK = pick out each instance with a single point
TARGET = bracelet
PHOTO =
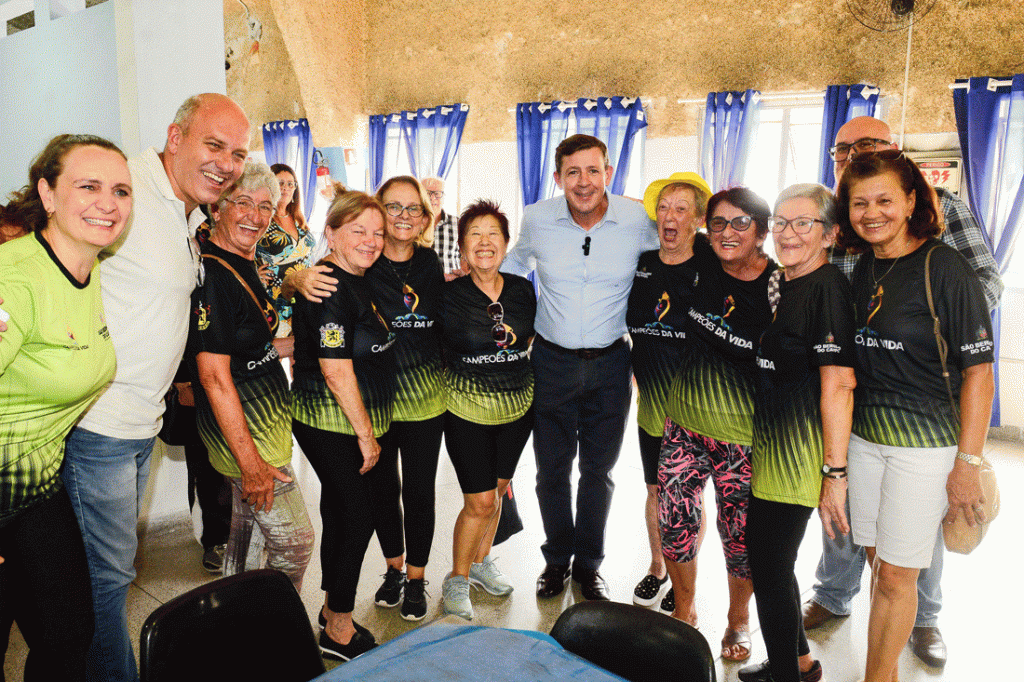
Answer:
(970, 459)
(836, 477)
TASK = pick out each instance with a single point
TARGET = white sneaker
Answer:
(455, 597)
(486, 575)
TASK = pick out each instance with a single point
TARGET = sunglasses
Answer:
(740, 223)
(498, 331)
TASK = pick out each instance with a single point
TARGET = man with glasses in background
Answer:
(842, 562)
(584, 246)
(446, 233)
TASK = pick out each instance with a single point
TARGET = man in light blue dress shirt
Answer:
(584, 247)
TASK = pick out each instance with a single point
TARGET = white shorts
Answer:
(897, 499)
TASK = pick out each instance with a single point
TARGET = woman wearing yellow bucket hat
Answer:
(656, 316)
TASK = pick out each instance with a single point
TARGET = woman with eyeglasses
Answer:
(243, 407)
(802, 411)
(405, 283)
(656, 317)
(711, 407)
(56, 357)
(286, 248)
(342, 400)
(488, 328)
(913, 455)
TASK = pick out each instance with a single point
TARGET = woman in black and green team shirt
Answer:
(241, 393)
(342, 397)
(405, 282)
(488, 327)
(656, 316)
(802, 412)
(711, 409)
(911, 457)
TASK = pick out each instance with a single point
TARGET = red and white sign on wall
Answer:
(943, 173)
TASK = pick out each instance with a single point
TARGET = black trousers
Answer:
(212, 490)
(346, 508)
(579, 406)
(774, 533)
(419, 444)
(44, 586)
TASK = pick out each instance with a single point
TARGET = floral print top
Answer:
(284, 255)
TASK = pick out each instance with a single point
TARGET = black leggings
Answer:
(44, 586)
(346, 508)
(420, 444)
(481, 454)
(774, 533)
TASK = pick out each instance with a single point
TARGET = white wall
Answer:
(120, 70)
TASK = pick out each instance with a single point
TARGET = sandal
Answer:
(733, 639)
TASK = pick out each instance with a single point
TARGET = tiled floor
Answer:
(981, 603)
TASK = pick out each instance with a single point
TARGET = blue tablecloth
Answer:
(467, 652)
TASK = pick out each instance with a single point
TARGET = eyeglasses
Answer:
(435, 194)
(800, 225)
(246, 205)
(841, 151)
(740, 223)
(415, 210)
(287, 184)
(498, 331)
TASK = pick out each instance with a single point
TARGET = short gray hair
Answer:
(256, 176)
(186, 112)
(819, 194)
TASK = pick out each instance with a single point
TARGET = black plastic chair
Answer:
(250, 626)
(635, 643)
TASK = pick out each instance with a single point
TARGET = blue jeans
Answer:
(579, 406)
(106, 478)
(840, 568)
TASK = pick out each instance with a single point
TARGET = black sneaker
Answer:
(648, 590)
(668, 602)
(213, 559)
(358, 645)
(390, 593)
(414, 606)
(761, 673)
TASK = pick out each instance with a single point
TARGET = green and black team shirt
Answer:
(346, 326)
(409, 297)
(226, 321)
(813, 328)
(901, 397)
(713, 391)
(657, 314)
(488, 382)
(55, 358)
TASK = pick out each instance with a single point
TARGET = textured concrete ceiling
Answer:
(337, 61)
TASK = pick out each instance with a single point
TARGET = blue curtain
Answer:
(540, 126)
(990, 122)
(291, 142)
(614, 121)
(842, 102)
(430, 139)
(381, 128)
(731, 120)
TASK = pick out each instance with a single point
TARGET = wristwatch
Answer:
(826, 470)
(970, 459)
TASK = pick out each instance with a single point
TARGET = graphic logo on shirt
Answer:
(509, 340)
(981, 344)
(829, 345)
(982, 333)
(203, 315)
(659, 328)
(728, 305)
(868, 337)
(270, 313)
(411, 319)
(332, 336)
(384, 323)
(642, 273)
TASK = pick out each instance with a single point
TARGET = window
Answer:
(786, 149)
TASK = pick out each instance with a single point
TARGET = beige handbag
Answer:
(958, 536)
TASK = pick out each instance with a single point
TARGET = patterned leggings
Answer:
(685, 462)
